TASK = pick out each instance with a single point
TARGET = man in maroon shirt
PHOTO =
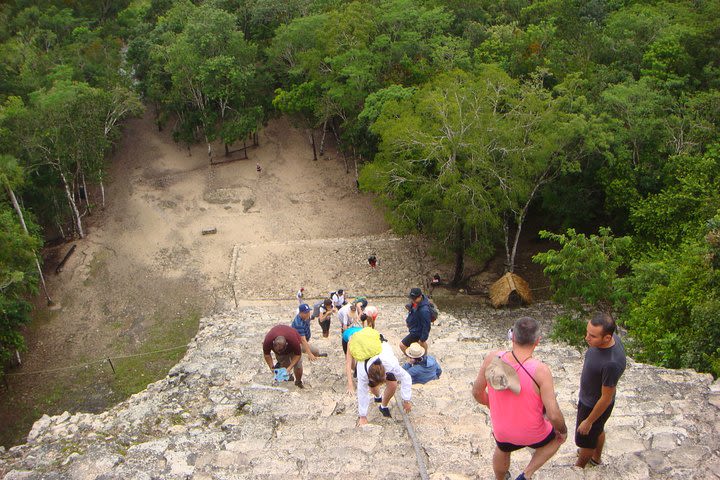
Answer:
(285, 342)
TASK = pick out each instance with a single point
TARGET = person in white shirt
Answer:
(338, 299)
(378, 370)
(299, 295)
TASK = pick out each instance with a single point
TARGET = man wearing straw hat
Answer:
(521, 397)
(422, 368)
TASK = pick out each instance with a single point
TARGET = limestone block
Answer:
(657, 461)
(689, 456)
(18, 475)
(177, 462)
(38, 428)
(623, 440)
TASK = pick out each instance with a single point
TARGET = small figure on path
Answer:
(418, 320)
(258, 168)
(301, 324)
(299, 295)
(323, 311)
(521, 396)
(375, 371)
(603, 366)
(372, 260)
(285, 342)
(422, 368)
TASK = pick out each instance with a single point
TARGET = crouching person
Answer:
(422, 368)
(382, 368)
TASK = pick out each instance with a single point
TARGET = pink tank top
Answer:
(518, 419)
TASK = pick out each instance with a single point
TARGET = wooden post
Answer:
(111, 365)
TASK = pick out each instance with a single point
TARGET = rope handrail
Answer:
(70, 367)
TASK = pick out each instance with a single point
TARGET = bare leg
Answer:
(501, 463)
(403, 347)
(424, 345)
(597, 454)
(298, 371)
(541, 455)
(584, 456)
(389, 392)
(375, 391)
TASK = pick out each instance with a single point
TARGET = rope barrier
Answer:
(416, 443)
(70, 367)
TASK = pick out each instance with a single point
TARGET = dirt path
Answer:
(145, 273)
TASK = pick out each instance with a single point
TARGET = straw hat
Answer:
(415, 350)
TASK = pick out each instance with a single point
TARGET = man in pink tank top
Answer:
(523, 408)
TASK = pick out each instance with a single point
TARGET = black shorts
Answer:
(511, 447)
(591, 439)
(325, 325)
(410, 338)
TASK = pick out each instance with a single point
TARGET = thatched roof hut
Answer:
(510, 289)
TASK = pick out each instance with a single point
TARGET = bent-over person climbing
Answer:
(377, 365)
(285, 342)
(520, 393)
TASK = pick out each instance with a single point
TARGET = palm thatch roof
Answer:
(510, 289)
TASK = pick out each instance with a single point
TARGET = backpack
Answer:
(365, 344)
(316, 308)
(433, 311)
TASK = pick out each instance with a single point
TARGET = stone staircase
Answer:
(217, 415)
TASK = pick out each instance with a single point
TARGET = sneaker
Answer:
(521, 476)
(291, 377)
(378, 399)
(385, 411)
(321, 355)
(299, 384)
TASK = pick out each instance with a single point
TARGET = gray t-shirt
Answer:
(603, 367)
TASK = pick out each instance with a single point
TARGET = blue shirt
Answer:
(349, 333)
(301, 326)
(425, 370)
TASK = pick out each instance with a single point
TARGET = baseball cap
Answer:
(414, 292)
(304, 307)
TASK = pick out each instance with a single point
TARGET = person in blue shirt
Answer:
(422, 368)
(418, 320)
(301, 324)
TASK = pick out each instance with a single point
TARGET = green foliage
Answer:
(18, 280)
(675, 313)
(584, 272)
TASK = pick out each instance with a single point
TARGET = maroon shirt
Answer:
(294, 345)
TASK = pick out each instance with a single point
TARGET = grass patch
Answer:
(97, 266)
(133, 374)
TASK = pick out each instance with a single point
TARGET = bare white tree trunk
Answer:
(73, 205)
(16, 205)
(87, 194)
(102, 193)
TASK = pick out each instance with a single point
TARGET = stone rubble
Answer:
(217, 416)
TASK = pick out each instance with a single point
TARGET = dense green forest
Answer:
(598, 118)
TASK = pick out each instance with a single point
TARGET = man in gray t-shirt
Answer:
(604, 365)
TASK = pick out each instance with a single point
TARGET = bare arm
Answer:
(306, 346)
(606, 398)
(547, 394)
(480, 385)
(268, 360)
(348, 371)
(293, 362)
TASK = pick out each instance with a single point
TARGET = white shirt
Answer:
(391, 364)
(347, 318)
(299, 296)
(338, 300)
